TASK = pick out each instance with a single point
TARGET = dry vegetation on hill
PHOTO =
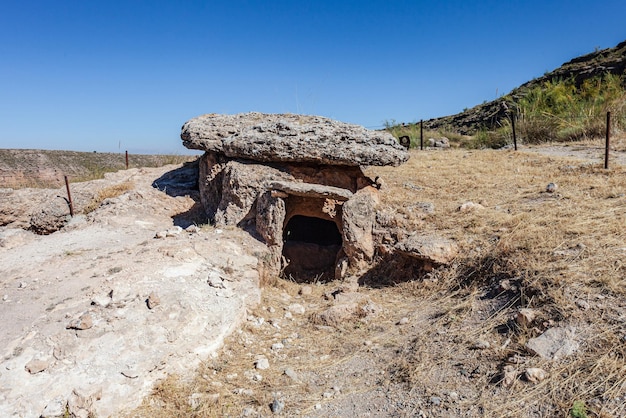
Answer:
(45, 168)
(437, 344)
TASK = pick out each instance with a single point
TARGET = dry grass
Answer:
(562, 254)
(107, 193)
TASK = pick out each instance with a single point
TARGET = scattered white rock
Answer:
(275, 323)
(506, 285)
(262, 363)
(243, 391)
(192, 229)
(101, 301)
(525, 317)
(555, 343)
(510, 375)
(441, 142)
(277, 346)
(153, 300)
(435, 400)
(55, 408)
(216, 281)
(552, 187)
(194, 400)
(470, 206)
(36, 366)
(174, 231)
(80, 405)
(277, 406)
(403, 321)
(290, 373)
(535, 374)
(256, 321)
(296, 308)
(481, 345)
(85, 321)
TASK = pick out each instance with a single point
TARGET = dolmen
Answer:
(295, 182)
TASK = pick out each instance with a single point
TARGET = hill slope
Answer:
(488, 115)
(45, 168)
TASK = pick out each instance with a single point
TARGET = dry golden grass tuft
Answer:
(107, 193)
(561, 254)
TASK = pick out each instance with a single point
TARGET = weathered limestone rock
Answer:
(292, 138)
(81, 406)
(51, 217)
(312, 190)
(525, 317)
(554, 344)
(270, 218)
(153, 300)
(535, 374)
(359, 215)
(428, 248)
(241, 185)
(442, 142)
(279, 175)
(36, 365)
(85, 321)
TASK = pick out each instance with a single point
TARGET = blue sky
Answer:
(125, 75)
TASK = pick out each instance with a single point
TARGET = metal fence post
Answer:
(513, 129)
(421, 134)
(608, 138)
(69, 197)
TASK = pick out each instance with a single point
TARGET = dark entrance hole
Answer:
(310, 246)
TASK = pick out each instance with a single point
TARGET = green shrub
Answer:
(561, 110)
(579, 410)
(489, 139)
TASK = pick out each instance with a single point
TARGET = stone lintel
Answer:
(310, 190)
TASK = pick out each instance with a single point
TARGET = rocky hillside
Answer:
(487, 115)
(44, 168)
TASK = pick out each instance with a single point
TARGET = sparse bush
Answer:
(561, 110)
(106, 193)
(489, 139)
(579, 410)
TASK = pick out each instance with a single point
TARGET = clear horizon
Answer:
(115, 76)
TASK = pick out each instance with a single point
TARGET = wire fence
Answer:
(527, 129)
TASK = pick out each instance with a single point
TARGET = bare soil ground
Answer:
(430, 344)
(437, 344)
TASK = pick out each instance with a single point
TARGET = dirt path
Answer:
(580, 152)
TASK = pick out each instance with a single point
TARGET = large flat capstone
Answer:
(292, 138)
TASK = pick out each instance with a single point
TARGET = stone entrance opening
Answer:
(310, 246)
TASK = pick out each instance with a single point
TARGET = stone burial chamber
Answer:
(296, 182)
